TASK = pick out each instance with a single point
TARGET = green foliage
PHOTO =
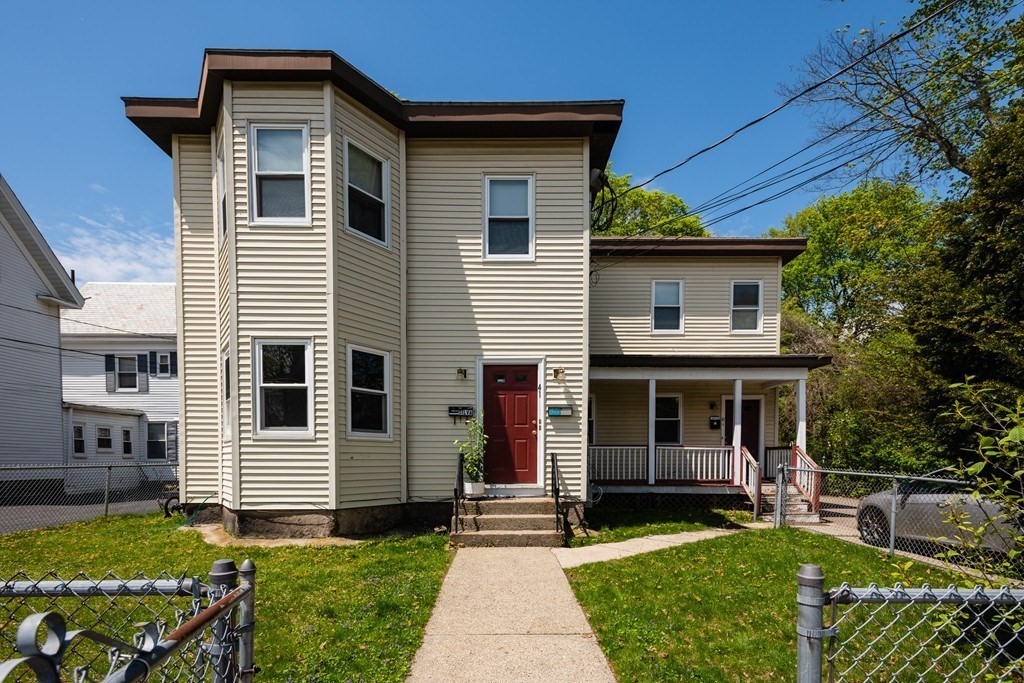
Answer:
(607, 524)
(473, 448)
(861, 245)
(642, 211)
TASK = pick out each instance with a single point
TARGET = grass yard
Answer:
(722, 609)
(613, 524)
(352, 613)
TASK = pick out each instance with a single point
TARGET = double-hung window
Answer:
(591, 421)
(668, 420)
(508, 218)
(369, 392)
(284, 382)
(222, 191)
(104, 439)
(163, 364)
(666, 306)
(156, 441)
(78, 439)
(127, 373)
(126, 442)
(367, 209)
(746, 307)
(280, 177)
(226, 395)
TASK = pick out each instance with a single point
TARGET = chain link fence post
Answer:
(106, 493)
(223, 578)
(247, 624)
(810, 598)
(892, 517)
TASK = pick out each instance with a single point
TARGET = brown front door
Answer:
(510, 422)
(751, 437)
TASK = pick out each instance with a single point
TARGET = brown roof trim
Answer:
(647, 361)
(786, 248)
(160, 118)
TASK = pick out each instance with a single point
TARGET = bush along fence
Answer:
(36, 496)
(851, 634)
(90, 630)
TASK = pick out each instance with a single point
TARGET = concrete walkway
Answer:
(508, 614)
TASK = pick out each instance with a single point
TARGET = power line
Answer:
(83, 322)
(52, 346)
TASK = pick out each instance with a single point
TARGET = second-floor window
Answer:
(666, 306)
(280, 176)
(367, 208)
(508, 218)
(745, 315)
(127, 373)
(163, 364)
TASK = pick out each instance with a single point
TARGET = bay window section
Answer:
(366, 177)
(369, 392)
(284, 383)
(280, 182)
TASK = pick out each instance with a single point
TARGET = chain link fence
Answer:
(931, 516)
(36, 496)
(140, 628)
(852, 634)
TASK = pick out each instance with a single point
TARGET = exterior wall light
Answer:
(460, 373)
(558, 374)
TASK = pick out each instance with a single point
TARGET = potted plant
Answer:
(472, 450)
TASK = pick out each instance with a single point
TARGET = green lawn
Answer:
(610, 524)
(722, 609)
(352, 613)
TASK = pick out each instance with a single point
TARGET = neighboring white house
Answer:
(34, 288)
(120, 373)
(357, 273)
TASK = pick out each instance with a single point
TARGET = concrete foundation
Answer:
(324, 523)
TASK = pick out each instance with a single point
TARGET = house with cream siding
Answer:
(120, 373)
(358, 274)
(34, 289)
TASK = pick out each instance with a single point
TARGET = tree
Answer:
(929, 99)
(860, 247)
(619, 211)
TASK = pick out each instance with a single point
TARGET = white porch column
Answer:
(737, 428)
(801, 414)
(652, 395)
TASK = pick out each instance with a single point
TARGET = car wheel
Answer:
(873, 527)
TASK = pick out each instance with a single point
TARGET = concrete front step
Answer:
(490, 522)
(509, 539)
(509, 506)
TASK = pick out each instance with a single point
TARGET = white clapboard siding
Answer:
(620, 306)
(367, 295)
(197, 319)
(226, 312)
(461, 308)
(281, 292)
(84, 376)
(30, 393)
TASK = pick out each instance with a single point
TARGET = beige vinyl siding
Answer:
(620, 306)
(367, 296)
(227, 333)
(461, 308)
(621, 410)
(281, 283)
(197, 318)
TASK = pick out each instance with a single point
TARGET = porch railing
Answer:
(693, 463)
(750, 478)
(773, 457)
(806, 477)
(618, 463)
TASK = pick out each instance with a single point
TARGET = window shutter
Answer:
(172, 440)
(152, 362)
(174, 363)
(108, 361)
(143, 373)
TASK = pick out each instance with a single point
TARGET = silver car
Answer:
(924, 514)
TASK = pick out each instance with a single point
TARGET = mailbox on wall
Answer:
(559, 411)
(714, 422)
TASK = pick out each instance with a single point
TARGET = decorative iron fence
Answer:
(36, 496)
(90, 628)
(907, 634)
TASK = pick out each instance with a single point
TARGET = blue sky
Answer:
(689, 72)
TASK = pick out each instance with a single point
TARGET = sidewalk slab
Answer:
(603, 552)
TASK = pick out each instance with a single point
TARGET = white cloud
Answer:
(98, 189)
(111, 249)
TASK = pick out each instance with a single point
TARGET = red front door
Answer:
(510, 422)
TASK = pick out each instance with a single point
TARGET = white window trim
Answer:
(679, 398)
(385, 190)
(227, 418)
(530, 256)
(760, 305)
(298, 221)
(282, 432)
(159, 355)
(117, 375)
(131, 440)
(592, 415)
(104, 450)
(164, 441)
(388, 391)
(682, 307)
(85, 441)
(222, 190)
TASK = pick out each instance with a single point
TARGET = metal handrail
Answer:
(555, 491)
(458, 494)
(753, 487)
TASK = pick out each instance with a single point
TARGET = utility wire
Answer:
(83, 322)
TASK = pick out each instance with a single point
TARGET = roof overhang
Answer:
(161, 118)
(785, 248)
(787, 360)
(103, 409)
